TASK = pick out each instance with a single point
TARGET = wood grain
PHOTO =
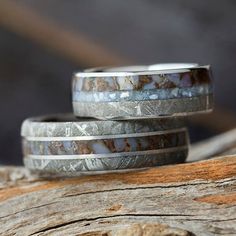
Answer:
(193, 198)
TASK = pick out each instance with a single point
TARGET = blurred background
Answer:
(43, 42)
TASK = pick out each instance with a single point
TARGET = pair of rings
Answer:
(119, 131)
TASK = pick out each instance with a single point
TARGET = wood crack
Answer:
(138, 188)
(129, 215)
(106, 218)
(28, 209)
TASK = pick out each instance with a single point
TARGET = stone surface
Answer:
(116, 144)
(143, 95)
(144, 80)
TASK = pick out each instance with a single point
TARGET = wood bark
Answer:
(186, 199)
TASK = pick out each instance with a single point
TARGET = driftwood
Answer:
(187, 199)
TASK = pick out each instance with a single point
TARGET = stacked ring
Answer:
(141, 92)
(63, 143)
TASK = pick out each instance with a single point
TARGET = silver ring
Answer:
(170, 90)
(63, 143)
(145, 109)
(139, 160)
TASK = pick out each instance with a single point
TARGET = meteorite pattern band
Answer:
(144, 109)
(66, 125)
(55, 164)
(98, 149)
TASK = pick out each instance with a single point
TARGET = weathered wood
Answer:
(196, 197)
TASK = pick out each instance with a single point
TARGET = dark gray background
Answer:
(35, 81)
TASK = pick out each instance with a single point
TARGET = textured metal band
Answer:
(144, 109)
(66, 125)
(61, 142)
(138, 160)
(100, 137)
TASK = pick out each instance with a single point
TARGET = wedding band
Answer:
(62, 143)
(140, 92)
